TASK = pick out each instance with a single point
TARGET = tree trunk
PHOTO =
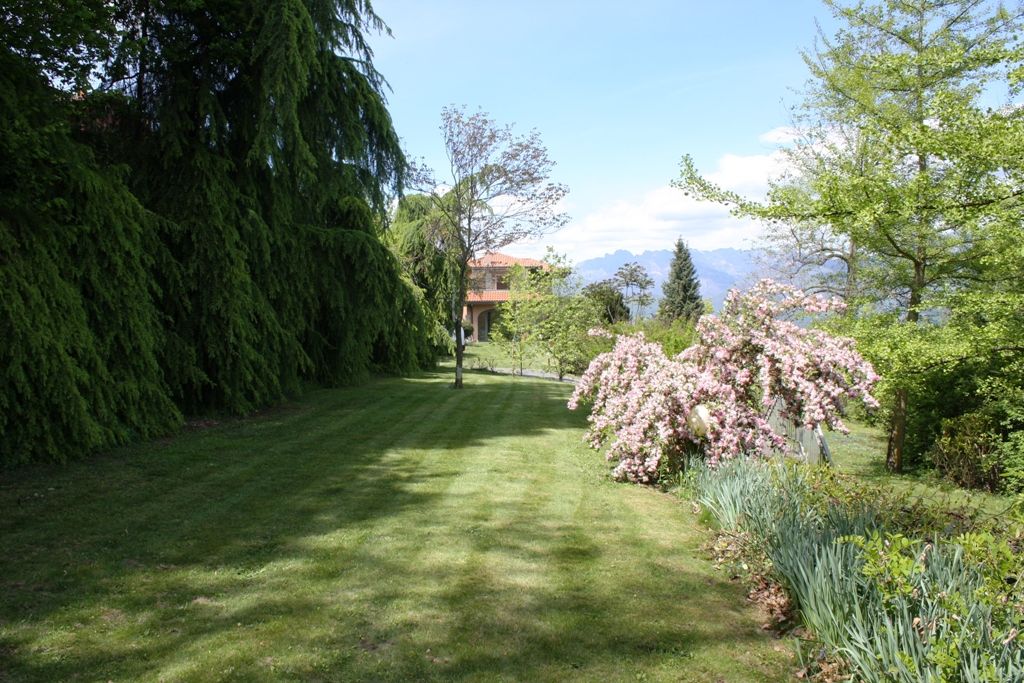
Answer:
(459, 350)
(898, 427)
(898, 424)
(460, 344)
(897, 433)
(850, 289)
(460, 336)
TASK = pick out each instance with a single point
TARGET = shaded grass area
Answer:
(861, 453)
(395, 531)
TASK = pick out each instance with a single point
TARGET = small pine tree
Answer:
(682, 289)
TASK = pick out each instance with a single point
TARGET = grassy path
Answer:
(395, 531)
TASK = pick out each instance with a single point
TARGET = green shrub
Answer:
(968, 452)
(674, 337)
(1011, 458)
(1004, 400)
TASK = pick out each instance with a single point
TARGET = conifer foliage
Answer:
(191, 216)
(681, 289)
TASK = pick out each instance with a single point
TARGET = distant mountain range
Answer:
(719, 270)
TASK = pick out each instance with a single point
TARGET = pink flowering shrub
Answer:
(745, 358)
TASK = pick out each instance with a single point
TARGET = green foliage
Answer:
(412, 237)
(546, 311)
(563, 333)
(909, 358)
(610, 302)
(564, 318)
(66, 40)
(80, 329)
(1011, 457)
(200, 232)
(635, 284)
(967, 452)
(674, 337)
(907, 179)
(1002, 393)
(360, 282)
(947, 611)
(518, 317)
(894, 608)
(964, 362)
(682, 289)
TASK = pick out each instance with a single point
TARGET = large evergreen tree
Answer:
(79, 328)
(191, 220)
(681, 291)
(251, 132)
(412, 236)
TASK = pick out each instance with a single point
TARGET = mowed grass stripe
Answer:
(396, 531)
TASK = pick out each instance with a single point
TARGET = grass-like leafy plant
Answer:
(895, 608)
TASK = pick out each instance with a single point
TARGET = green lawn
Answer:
(489, 356)
(861, 453)
(396, 531)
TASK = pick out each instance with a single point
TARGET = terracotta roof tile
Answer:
(493, 258)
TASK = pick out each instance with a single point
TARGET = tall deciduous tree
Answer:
(635, 284)
(902, 165)
(496, 191)
(682, 289)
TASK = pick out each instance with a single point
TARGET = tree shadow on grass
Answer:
(557, 615)
(277, 544)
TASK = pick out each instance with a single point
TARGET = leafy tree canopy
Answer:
(610, 302)
(903, 175)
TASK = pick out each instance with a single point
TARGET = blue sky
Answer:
(619, 92)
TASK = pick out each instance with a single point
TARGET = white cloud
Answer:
(748, 175)
(655, 219)
(781, 135)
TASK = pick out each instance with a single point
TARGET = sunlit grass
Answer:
(490, 356)
(395, 531)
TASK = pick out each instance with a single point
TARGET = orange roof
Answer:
(486, 296)
(493, 259)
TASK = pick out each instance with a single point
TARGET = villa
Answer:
(488, 287)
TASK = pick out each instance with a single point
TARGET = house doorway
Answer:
(485, 323)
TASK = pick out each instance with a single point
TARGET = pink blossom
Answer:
(745, 358)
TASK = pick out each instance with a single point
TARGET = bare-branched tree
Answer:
(496, 191)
